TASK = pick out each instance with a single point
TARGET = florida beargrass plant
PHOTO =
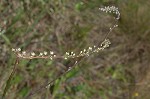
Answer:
(52, 55)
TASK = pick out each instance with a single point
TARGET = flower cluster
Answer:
(51, 55)
(85, 52)
(32, 55)
(111, 9)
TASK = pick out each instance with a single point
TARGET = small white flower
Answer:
(48, 86)
(69, 68)
(45, 53)
(32, 53)
(41, 54)
(71, 52)
(116, 25)
(51, 52)
(67, 53)
(90, 48)
(13, 49)
(51, 57)
(19, 49)
(24, 53)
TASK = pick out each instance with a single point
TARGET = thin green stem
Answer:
(10, 78)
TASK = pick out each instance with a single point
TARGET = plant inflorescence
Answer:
(67, 55)
(85, 52)
(51, 55)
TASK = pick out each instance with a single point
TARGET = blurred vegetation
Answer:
(120, 72)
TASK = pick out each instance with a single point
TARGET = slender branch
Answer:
(10, 78)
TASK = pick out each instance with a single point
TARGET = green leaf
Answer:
(16, 79)
(79, 6)
(24, 91)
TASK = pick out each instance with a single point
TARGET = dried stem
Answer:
(10, 77)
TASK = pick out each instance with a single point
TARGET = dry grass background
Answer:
(120, 72)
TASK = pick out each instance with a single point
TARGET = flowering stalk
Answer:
(68, 55)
